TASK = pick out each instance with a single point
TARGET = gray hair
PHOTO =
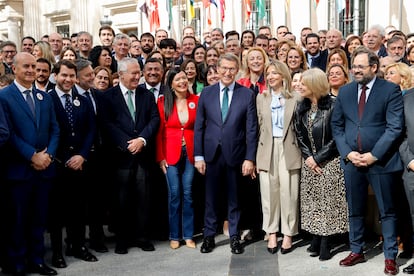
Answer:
(120, 36)
(229, 57)
(379, 28)
(82, 64)
(123, 63)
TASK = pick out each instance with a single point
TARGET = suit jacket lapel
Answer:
(19, 98)
(287, 115)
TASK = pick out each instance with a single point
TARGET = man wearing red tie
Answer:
(367, 124)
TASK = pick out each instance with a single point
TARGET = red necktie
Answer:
(361, 103)
(361, 106)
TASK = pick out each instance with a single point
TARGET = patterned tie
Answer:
(69, 110)
(152, 89)
(131, 107)
(225, 103)
(30, 101)
(361, 106)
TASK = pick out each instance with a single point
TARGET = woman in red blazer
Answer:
(175, 154)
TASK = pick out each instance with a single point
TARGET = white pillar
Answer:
(13, 29)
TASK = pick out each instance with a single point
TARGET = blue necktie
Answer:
(69, 110)
(225, 103)
(30, 101)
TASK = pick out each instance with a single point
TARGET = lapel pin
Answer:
(39, 96)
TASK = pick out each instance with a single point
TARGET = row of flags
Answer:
(150, 9)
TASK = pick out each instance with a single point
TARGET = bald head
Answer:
(333, 39)
(24, 68)
(56, 43)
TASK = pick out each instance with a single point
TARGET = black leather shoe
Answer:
(286, 250)
(145, 246)
(58, 261)
(41, 269)
(98, 247)
(121, 249)
(405, 254)
(409, 269)
(83, 254)
(272, 250)
(17, 272)
(236, 247)
(208, 245)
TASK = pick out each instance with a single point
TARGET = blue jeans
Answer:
(180, 201)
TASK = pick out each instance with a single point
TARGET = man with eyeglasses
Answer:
(8, 50)
(367, 124)
(225, 140)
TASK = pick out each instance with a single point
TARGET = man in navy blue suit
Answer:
(225, 141)
(29, 168)
(367, 124)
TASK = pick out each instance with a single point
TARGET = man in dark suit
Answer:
(77, 132)
(225, 141)
(96, 168)
(29, 169)
(367, 124)
(43, 71)
(130, 122)
(314, 55)
(154, 82)
(407, 157)
(4, 136)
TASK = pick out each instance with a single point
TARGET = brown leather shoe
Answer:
(391, 267)
(352, 259)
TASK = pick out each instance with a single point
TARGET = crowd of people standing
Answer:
(251, 135)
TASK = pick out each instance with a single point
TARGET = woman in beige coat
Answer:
(278, 157)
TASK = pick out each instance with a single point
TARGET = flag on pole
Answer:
(222, 8)
(190, 11)
(154, 17)
(143, 7)
(169, 11)
(261, 11)
(207, 3)
(340, 5)
(287, 4)
(316, 2)
(247, 9)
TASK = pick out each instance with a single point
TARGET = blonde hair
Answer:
(405, 73)
(46, 51)
(317, 82)
(246, 69)
(282, 69)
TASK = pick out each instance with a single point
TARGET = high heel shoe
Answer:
(272, 237)
(190, 244)
(272, 250)
(174, 244)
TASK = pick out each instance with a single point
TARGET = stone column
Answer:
(14, 30)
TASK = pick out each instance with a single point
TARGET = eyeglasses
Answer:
(227, 69)
(9, 52)
(360, 67)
